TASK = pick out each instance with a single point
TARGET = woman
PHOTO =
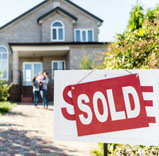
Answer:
(35, 90)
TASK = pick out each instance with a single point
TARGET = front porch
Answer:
(24, 94)
(28, 61)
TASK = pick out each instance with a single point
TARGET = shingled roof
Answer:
(58, 9)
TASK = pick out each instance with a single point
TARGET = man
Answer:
(45, 82)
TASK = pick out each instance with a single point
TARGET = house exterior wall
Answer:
(24, 30)
(77, 53)
(27, 30)
(84, 21)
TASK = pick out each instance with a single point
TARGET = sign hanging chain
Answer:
(85, 76)
(131, 72)
(128, 71)
(95, 70)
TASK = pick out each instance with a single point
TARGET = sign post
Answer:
(105, 149)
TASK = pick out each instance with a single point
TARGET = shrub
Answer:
(5, 107)
(100, 151)
(86, 62)
(4, 90)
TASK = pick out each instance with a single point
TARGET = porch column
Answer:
(15, 64)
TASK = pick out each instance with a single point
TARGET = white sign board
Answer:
(111, 106)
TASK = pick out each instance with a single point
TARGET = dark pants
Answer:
(45, 100)
(36, 97)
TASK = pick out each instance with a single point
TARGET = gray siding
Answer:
(77, 53)
(28, 30)
(84, 21)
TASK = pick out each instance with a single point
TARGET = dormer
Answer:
(57, 25)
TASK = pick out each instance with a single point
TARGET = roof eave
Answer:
(56, 43)
(22, 15)
(40, 19)
(88, 13)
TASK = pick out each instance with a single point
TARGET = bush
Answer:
(86, 62)
(127, 150)
(5, 107)
(99, 152)
(4, 90)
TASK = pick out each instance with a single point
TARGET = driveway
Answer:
(28, 131)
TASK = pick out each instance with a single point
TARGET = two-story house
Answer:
(53, 35)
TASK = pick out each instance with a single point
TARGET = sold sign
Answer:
(108, 105)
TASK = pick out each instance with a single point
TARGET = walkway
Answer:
(28, 131)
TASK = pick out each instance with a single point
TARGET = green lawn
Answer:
(5, 106)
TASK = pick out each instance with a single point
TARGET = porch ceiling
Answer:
(38, 51)
(41, 53)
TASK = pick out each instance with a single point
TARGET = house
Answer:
(53, 35)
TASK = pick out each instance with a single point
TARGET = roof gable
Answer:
(44, 2)
(25, 13)
(56, 10)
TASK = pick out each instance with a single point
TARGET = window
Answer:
(57, 65)
(57, 31)
(90, 35)
(29, 70)
(3, 63)
(84, 35)
(78, 37)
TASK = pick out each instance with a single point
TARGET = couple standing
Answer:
(40, 85)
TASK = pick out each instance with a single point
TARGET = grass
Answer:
(6, 106)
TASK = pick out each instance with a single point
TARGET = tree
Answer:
(138, 46)
(136, 18)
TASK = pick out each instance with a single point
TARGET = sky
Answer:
(115, 13)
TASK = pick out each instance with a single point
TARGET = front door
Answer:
(30, 69)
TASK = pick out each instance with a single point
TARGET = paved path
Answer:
(28, 131)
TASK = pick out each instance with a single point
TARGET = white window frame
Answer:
(6, 79)
(32, 64)
(86, 30)
(57, 40)
(57, 61)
